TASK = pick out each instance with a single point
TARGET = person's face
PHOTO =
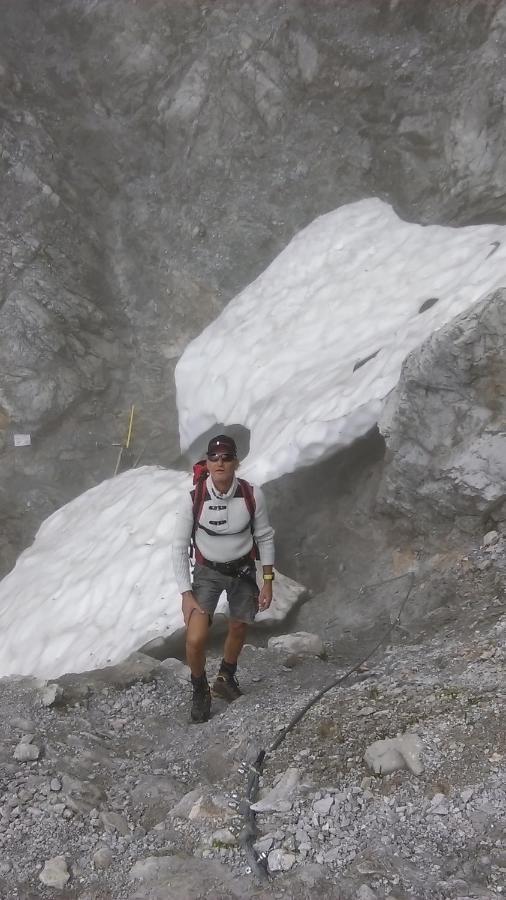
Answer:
(221, 468)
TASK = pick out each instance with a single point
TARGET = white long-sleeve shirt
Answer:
(225, 532)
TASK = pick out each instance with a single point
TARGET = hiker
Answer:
(226, 520)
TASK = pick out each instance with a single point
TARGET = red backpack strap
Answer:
(249, 499)
(198, 495)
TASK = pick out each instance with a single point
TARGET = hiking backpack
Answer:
(199, 495)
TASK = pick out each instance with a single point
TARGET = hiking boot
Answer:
(201, 701)
(226, 686)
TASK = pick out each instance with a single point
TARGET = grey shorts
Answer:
(242, 594)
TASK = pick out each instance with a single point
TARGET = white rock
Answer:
(391, 754)
(280, 861)
(301, 642)
(280, 798)
(490, 538)
(466, 794)
(26, 751)
(55, 872)
(52, 694)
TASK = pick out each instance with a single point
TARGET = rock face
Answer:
(179, 149)
(444, 424)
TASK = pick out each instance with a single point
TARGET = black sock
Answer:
(199, 680)
(228, 668)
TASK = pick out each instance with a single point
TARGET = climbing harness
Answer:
(249, 831)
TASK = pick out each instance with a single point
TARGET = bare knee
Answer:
(196, 641)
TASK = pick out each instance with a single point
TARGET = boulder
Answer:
(444, 423)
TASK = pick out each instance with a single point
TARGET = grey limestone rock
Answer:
(442, 424)
(280, 797)
(280, 861)
(55, 873)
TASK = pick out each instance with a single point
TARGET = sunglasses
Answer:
(224, 457)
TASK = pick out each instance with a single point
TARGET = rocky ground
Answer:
(107, 791)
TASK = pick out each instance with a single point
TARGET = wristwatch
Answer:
(269, 577)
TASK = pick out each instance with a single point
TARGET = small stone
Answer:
(490, 538)
(183, 808)
(322, 807)
(22, 724)
(366, 711)
(280, 798)
(26, 751)
(280, 861)
(365, 893)
(52, 695)
(300, 642)
(55, 872)
(388, 755)
(223, 838)
(263, 845)
(55, 784)
(102, 858)
(439, 805)
(180, 672)
(113, 821)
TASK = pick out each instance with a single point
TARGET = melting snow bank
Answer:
(97, 582)
(305, 356)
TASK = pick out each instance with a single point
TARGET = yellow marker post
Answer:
(130, 424)
(126, 445)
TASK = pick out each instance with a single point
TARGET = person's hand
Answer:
(265, 596)
(189, 605)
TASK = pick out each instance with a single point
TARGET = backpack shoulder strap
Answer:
(248, 496)
(198, 495)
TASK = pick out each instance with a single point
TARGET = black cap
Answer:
(222, 443)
